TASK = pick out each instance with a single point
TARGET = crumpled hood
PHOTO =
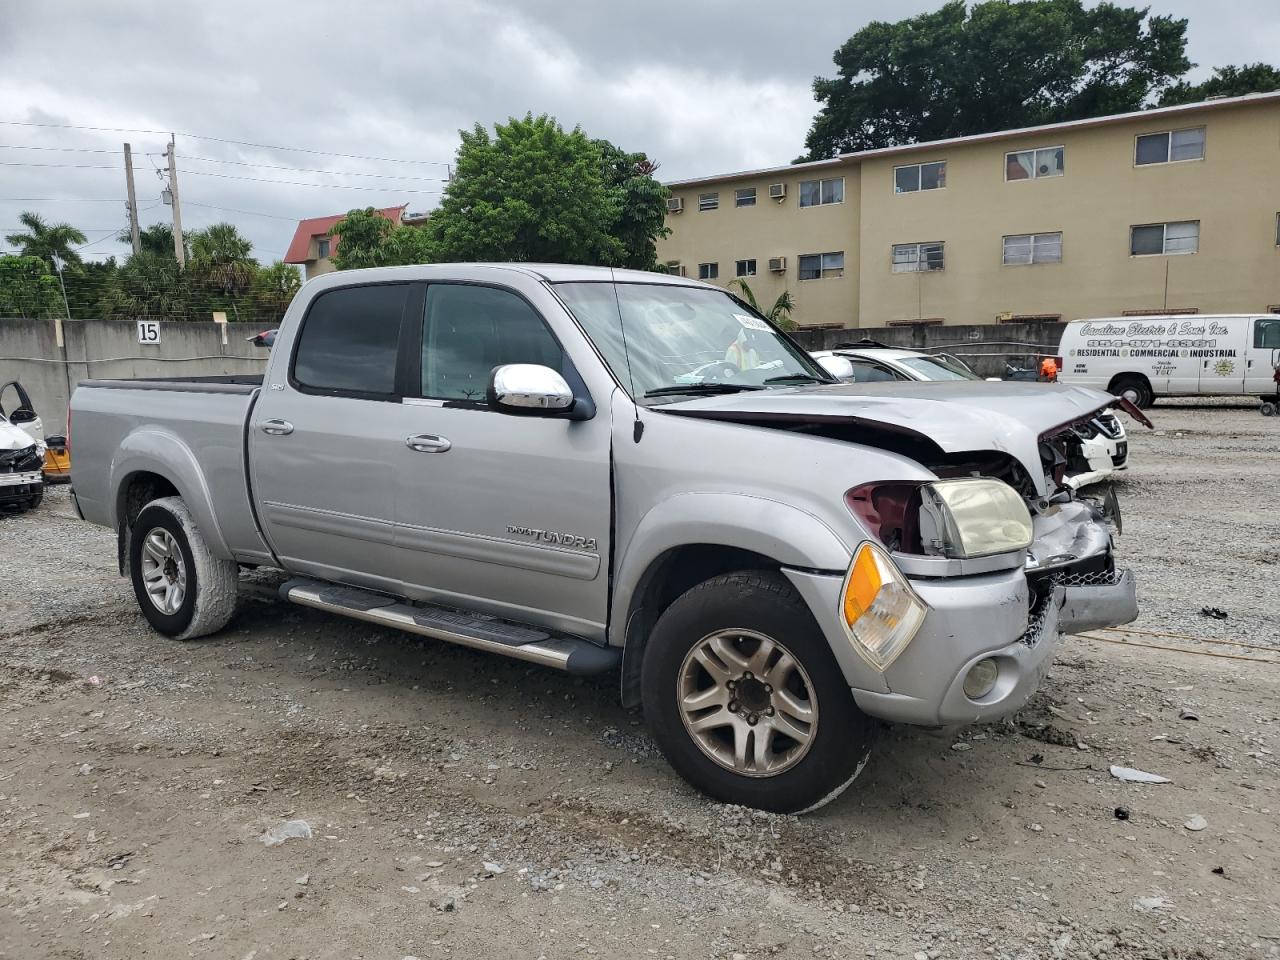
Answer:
(14, 438)
(957, 416)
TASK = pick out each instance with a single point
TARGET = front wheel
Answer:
(184, 591)
(746, 700)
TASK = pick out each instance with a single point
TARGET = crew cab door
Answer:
(324, 435)
(506, 514)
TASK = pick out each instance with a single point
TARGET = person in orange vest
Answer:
(1049, 370)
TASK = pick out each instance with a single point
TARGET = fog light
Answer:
(981, 679)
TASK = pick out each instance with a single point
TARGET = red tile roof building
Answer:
(314, 242)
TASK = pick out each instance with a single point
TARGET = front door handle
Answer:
(277, 428)
(427, 443)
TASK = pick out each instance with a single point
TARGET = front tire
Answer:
(183, 590)
(745, 699)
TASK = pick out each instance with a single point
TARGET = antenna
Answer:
(638, 429)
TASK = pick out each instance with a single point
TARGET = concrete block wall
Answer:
(104, 349)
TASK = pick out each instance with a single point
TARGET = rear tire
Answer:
(708, 684)
(1134, 388)
(183, 590)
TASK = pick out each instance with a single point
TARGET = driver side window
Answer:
(1266, 334)
(468, 330)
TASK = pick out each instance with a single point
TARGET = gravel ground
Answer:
(463, 805)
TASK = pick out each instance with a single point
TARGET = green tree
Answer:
(87, 284)
(46, 240)
(368, 239)
(993, 66)
(779, 312)
(1225, 82)
(28, 288)
(149, 286)
(222, 259)
(641, 205)
(274, 288)
(530, 192)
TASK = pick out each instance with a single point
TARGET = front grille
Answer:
(1044, 588)
(1109, 425)
(20, 461)
(1094, 578)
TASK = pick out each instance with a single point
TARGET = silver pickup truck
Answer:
(610, 470)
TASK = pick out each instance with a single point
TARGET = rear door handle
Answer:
(427, 443)
(277, 428)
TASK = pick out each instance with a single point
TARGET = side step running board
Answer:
(521, 641)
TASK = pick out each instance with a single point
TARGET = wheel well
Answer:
(667, 577)
(1120, 378)
(137, 490)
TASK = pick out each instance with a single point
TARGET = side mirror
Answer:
(22, 415)
(838, 367)
(529, 389)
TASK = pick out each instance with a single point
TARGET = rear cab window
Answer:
(349, 342)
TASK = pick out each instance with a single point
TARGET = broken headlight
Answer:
(973, 518)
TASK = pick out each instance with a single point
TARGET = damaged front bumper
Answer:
(1014, 618)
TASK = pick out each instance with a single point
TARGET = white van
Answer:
(1141, 358)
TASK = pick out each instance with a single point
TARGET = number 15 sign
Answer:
(148, 331)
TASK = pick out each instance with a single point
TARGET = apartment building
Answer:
(1175, 209)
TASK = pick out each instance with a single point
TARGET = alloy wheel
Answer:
(164, 574)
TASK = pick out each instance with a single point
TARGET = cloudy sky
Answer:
(703, 86)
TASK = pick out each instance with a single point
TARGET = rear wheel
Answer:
(183, 590)
(1135, 389)
(746, 700)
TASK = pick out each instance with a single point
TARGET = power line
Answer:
(61, 200)
(333, 173)
(251, 213)
(298, 183)
(18, 146)
(67, 166)
(196, 136)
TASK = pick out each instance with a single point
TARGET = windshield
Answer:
(685, 340)
(938, 368)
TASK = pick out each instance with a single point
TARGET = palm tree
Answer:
(156, 239)
(221, 257)
(47, 240)
(779, 313)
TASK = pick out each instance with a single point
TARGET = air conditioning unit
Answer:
(676, 269)
(778, 191)
(777, 264)
(675, 204)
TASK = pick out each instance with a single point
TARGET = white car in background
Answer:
(1104, 445)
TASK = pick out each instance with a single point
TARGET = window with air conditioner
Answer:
(814, 193)
(708, 201)
(1034, 164)
(746, 268)
(821, 266)
(1169, 146)
(920, 176)
(1021, 248)
(708, 271)
(745, 197)
(1164, 239)
(917, 257)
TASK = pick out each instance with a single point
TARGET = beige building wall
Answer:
(774, 229)
(1234, 193)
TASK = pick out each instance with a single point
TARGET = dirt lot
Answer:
(469, 806)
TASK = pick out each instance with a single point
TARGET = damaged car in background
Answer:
(596, 470)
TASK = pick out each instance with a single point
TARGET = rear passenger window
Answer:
(349, 341)
(1266, 334)
(866, 372)
(469, 330)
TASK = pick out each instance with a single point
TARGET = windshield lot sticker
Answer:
(750, 323)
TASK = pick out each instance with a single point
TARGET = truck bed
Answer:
(120, 428)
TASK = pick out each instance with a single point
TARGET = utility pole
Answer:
(133, 199)
(179, 249)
